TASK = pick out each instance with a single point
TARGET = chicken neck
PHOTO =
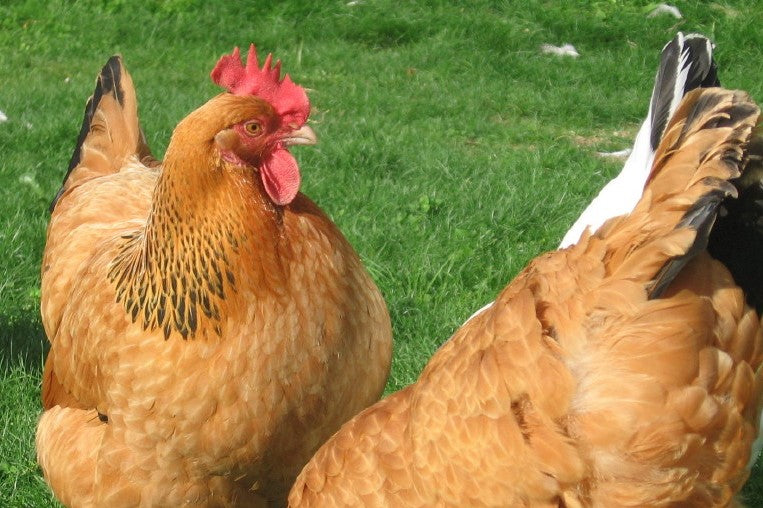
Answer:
(179, 271)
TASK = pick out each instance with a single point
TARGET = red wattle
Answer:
(280, 176)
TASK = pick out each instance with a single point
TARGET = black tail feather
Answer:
(722, 191)
(108, 81)
(674, 80)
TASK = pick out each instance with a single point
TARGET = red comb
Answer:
(288, 99)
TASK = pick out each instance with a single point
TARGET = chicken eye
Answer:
(253, 128)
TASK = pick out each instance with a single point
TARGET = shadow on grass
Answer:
(22, 341)
(752, 493)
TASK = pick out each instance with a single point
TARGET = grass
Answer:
(452, 151)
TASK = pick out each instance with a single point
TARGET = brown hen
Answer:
(622, 371)
(210, 326)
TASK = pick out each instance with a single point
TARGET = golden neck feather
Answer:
(179, 271)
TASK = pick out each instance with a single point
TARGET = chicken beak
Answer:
(302, 136)
(226, 140)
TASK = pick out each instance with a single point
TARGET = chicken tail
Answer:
(110, 131)
(702, 150)
(686, 63)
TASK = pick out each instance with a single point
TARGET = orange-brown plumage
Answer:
(205, 340)
(622, 371)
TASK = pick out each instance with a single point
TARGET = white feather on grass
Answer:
(563, 50)
(665, 9)
(618, 154)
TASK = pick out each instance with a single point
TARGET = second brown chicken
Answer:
(621, 371)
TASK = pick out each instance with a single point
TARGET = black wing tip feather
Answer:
(109, 81)
(703, 72)
(700, 217)
(668, 85)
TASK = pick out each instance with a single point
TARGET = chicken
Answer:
(621, 371)
(686, 63)
(210, 326)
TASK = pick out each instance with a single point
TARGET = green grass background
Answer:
(451, 150)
